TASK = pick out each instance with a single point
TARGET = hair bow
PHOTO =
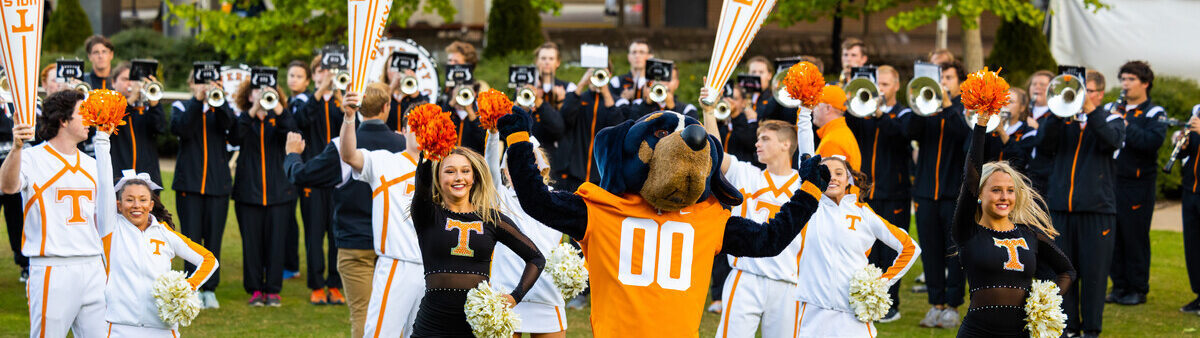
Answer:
(130, 175)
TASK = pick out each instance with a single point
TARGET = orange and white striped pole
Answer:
(740, 21)
(368, 18)
(21, 45)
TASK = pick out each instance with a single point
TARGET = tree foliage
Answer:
(292, 29)
(69, 27)
(788, 13)
(969, 10)
(513, 25)
(1021, 50)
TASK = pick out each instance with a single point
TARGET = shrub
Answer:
(513, 26)
(1177, 96)
(1021, 50)
(69, 27)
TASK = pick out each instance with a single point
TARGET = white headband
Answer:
(129, 175)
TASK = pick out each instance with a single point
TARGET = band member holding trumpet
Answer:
(1137, 170)
(630, 85)
(854, 54)
(941, 136)
(465, 115)
(1082, 201)
(1040, 164)
(585, 112)
(404, 89)
(134, 146)
(263, 197)
(202, 179)
(1191, 206)
(100, 52)
(550, 93)
(319, 123)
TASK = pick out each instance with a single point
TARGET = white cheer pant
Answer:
(750, 299)
(130, 331)
(818, 322)
(66, 294)
(541, 318)
(396, 292)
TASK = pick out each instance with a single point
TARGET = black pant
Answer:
(1087, 239)
(262, 245)
(14, 218)
(202, 219)
(291, 249)
(943, 271)
(897, 213)
(720, 271)
(1191, 238)
(1131, 253)
(316, 207)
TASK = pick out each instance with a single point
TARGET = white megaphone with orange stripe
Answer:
(21, 45)
(367, 19)
(740, 20)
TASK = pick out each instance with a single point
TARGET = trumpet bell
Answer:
(864, 100)
(785, 99)
(1065, 96)
(409, 85)
(82, 87)
(925, 96)
(153, 91)
(215, 97)
(600, 77)
(464, 96)
(341, 80)
(269, 101)
(723, 111)
(526, 98)
(5, 91)
(658, 93)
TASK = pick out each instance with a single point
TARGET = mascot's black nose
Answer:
(694, 136)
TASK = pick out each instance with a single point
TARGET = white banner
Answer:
(1161, 32)
(740, 21)
(367, 21)
(21, 45)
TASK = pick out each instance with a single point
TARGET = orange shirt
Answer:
(649, 271)
(837, 139)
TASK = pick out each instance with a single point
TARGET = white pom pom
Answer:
(488, 313)
(869, 294)
(177, 303)
(1043, 311)
(568, 270)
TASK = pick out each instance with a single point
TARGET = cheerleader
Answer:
(1002, 238)
(140, 242)
(542, 313)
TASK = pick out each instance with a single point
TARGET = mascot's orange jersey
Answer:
(649, 271)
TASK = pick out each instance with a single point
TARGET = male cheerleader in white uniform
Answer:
(58, 187)
(399, 282)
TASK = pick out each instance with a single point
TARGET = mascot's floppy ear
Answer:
(717, 185)
(609, 155)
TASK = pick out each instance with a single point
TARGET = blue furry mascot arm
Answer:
(747, 238)
(560, 210)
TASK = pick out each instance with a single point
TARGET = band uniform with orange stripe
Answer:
(135, 146)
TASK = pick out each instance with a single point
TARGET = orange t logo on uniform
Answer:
(61, 195)
(1014, 262)
(464, 236)
(853, 220)
(157, 244)
(771, 208)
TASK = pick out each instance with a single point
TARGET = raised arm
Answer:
(508, 234)
(106, 196)
(206, 264)
(349, 136)
(964, 224)
(494, 151)
(747, 238)
(804, 133)
(422, 201)
(1113, 130)
(562, 211)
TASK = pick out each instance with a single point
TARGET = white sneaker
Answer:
(210, 300)
(948, 318)
(715, 307)
(920, 278)
(931, 317)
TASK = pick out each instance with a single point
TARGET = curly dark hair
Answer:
(1141, 70)
(58, 108)
(159, 210)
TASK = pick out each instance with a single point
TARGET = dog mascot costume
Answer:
(661, 213)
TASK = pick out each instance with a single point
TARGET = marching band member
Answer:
(836, 137)
(202, 180)
(262, 196)
(319, 123)
(585, 112)
(1137, 171)
(134, 146)
(131, 220)
(886, 160)
(941, 137)
(1191, 207)
(854, 54)
(400, 101)
(761, 67)
(551, 92)
(631, 85)
(941, 55)
(100, 52)
(773, 110)
(1012, 141)
(1002, 238)
(357, 250)
(466, 119)
(1041, 164)
(1082, 202)
(299, 76)
(67, 274)
(49, 79)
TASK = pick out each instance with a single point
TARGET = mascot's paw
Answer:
(518, 121)
(811, 170)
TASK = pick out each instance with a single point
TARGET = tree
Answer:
(1021, 50)
(69, 27)
(289, 31)
(968, 11)
(787, 13)
(513, 25)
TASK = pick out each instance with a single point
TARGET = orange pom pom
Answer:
(492, 106)
(434, 130)
(985, 92)
(804, 82)
(104, 109)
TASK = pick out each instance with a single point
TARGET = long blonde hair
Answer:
(483, 194)
(1027, 209)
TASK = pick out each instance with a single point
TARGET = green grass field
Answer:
(1157, 318)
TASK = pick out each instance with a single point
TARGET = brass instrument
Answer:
(409, 85)
(600, 77)
(152, 91)
(864, 97)
(526, 97)
(269, 100)
(215, 97)
(658, 93)
(925, 96)
(464, 96)
(723, 111)
(341, 79)
(1065, 96)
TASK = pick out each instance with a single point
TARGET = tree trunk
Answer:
(972, 47)
(835, 40)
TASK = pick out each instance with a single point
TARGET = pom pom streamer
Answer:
(804, 82)
(492, 106)
(869, 294)
(488, 313)
(568, 270)
(177, 302)
(104, 109)
(985, 92)
(1043, 311)
(434, 130)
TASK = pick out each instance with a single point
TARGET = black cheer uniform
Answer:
(1137, 173)
(457, 252)
(1000, 265)
(263, 198)
(133, 145)
(202, 180)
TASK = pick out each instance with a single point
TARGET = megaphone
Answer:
(600, 77)
(152, 91)
(464, 96)
(925, 96)
(269, 100)
(658, 93)
(215, 97)
(408, 85)
(341, 79)
(864, 97)
(526, 97)
(1065, 96)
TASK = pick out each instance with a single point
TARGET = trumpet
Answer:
(658, 93)
(341, 79)
(82, 87)
(215, 97)
(464, 96)
(152, 91)
(408, 85)
(600, 77)
(864, 99)
(526, 97)
(6, 93)
(925, 96)
(723, 111)
(269, 100)
(1064, 95)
